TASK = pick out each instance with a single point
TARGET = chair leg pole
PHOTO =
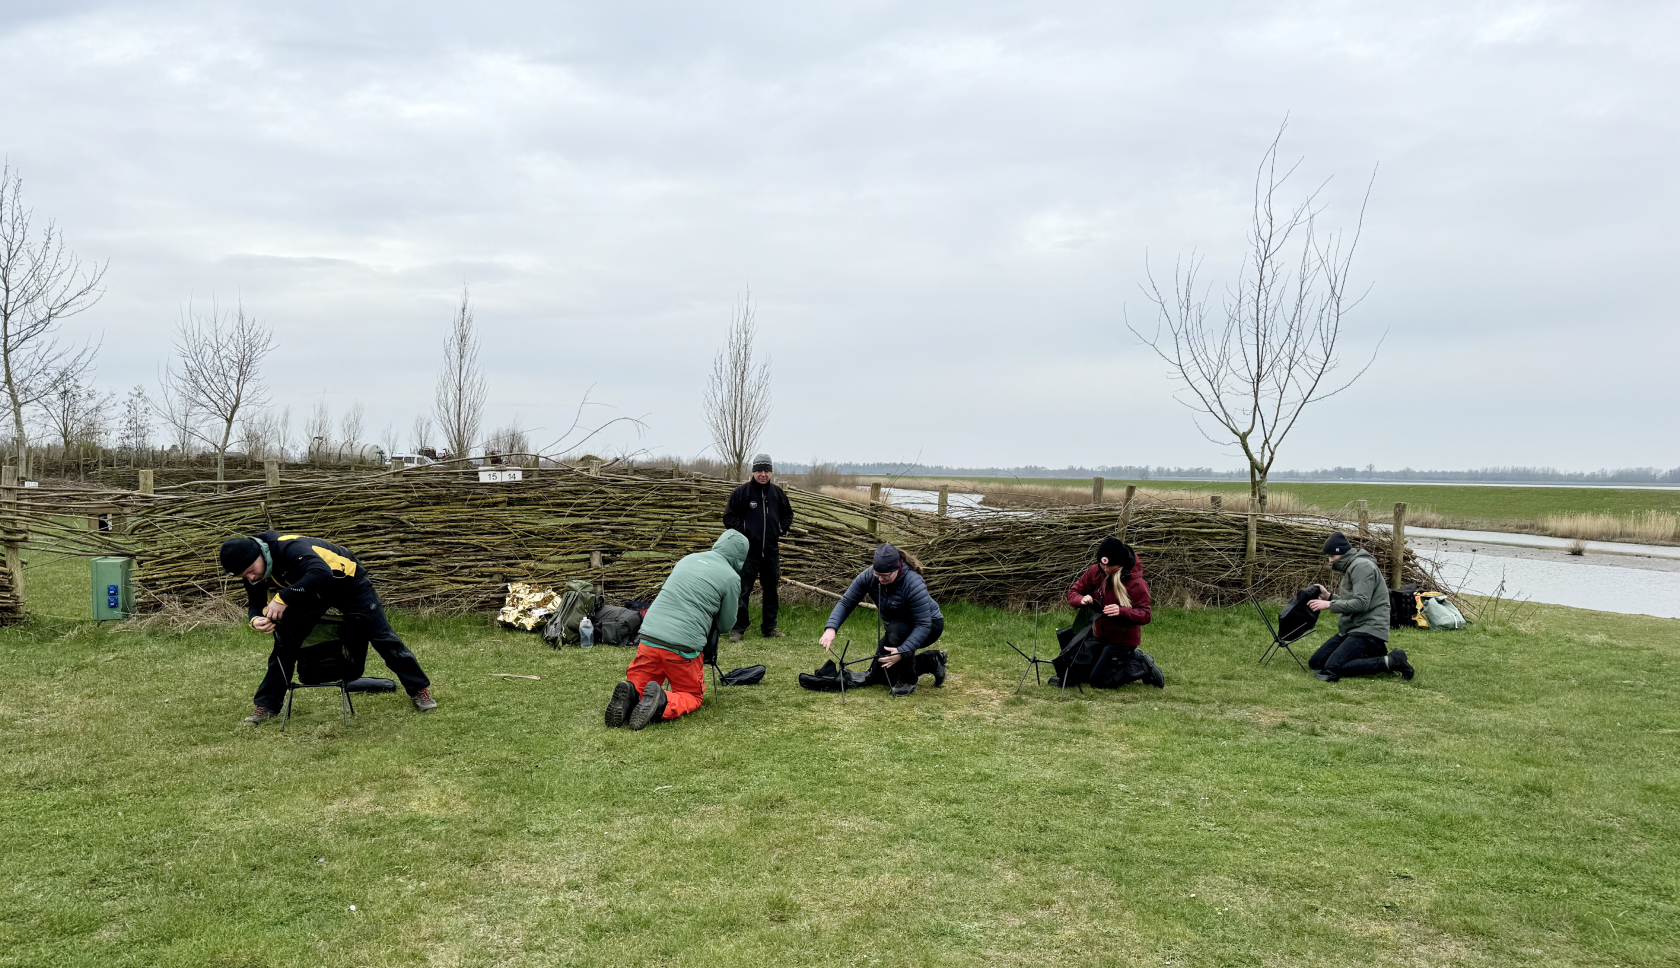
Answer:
(287, 719)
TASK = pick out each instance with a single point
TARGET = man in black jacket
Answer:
(290, 582)
(759, 510)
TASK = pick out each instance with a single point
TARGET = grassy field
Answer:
(1514, 804)
(1468, 505)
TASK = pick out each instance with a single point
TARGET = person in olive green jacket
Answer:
(1360, 645)
(694, 606)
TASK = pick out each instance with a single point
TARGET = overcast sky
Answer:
(942, 209)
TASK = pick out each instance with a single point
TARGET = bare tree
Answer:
(74, 411)
(350, 425)
(179, 416)
(317, 431)
(220, 355)
(266, 434)
(134, 433)
(459, 404)
(420, 435)
(41, 284)
(1272, 349)
(738, 393)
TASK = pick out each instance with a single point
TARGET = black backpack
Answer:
(615, 625)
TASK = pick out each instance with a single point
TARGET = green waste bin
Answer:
(113, 596)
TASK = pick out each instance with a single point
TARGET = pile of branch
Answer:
(1187, 555)
(444, 541)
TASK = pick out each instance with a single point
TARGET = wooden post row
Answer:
(1364, 516)
(944, 500)
(271, 472)
(12, 526)
(146, 479)
(1096, 490)
(1126, 510)
(1252, 549)
(874, 503)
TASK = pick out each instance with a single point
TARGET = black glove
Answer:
(708, 655)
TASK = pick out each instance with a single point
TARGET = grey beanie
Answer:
(761, 462)
(1337, 544)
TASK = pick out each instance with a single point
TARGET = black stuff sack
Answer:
(616, 626)
(1298, 618)
(745, 676)
(1402, 606)
(827, 678)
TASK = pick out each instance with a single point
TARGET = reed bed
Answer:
(1650, 527)
(442, 541)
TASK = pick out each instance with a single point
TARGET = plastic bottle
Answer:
(586, 633)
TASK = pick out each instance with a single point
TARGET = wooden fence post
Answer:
(1398, 551)
(1096, 490)
(1216, 502)
(1364, 516)
(944, 501)
(594, 468)
(874, 524)
(146, 486)
(1126, 510)
(271, 472)
(1252, 549)
(12, 527)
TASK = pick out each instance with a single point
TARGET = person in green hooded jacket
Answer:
(1360, 645)
(694, 606)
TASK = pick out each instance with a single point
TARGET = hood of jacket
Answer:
(732, 545)
(1341, 564)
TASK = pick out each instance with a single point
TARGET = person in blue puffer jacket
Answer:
(910, 619)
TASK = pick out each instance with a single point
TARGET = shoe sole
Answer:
(645, 709)
(618, 707)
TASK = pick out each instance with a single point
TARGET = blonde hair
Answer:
(1120, 588)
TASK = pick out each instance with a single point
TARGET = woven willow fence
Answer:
(443, 540)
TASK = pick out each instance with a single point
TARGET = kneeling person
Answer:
(1360, 645)
(694, 606)
(911, 618)
(290, 582)
(1110, 657)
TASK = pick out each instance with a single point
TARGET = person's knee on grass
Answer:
(911, 621)
(1360, 645)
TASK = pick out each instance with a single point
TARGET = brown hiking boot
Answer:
(734, 636)
(775, 634)
(423, 700)
(260, 715)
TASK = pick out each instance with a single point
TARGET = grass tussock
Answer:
(173, 615)
(1650, 527)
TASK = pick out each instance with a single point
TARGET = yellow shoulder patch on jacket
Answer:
(290, 537)
(341, 566)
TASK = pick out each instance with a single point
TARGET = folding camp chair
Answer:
(327, 660)
(1295, 620)
(1079, 638)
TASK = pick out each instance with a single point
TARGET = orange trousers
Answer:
(687, 678)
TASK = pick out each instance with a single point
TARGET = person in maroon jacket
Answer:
(1113, 593)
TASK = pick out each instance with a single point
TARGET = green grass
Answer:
(1470, 505)
(1515, 804)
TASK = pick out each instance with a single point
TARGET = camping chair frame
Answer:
(1277, 644)
(1033, 661)
(342, 685)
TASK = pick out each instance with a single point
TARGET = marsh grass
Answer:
(1649, 527)
(1512, 805)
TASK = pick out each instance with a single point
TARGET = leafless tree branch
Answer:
(738, 392)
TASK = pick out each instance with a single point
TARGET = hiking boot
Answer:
(423, 701)
(939, 670)
(624, 699)
(903, 688)
(1397, 663)
(650, 707)
(260, 715)
(734, 636)
(1155, 677)
(1327, 676)
(1055, 682)
(775, 634)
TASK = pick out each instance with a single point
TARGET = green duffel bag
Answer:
(1442, 614)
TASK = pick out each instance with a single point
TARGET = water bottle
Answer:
(586, 633)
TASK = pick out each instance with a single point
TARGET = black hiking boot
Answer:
(1155, 677)
(1327, 676)
(939, 671)
(1397, 663)
(1055, 682)
(624, 698)
(650, 708)
(903, 688)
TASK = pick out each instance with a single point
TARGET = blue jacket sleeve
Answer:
(922, 607)
(854, 594)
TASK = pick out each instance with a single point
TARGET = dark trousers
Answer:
(766, 569)
(364, 617)
(904, 670)
(1104, 665)
(1355, 654)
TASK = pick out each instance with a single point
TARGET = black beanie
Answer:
(1337, 544)
(887, 559)
(238, 553)
(1115, 551)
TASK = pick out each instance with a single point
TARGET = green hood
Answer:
(732, 545)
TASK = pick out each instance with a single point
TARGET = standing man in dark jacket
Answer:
(911, 618)
(1360, 645)
(760, 510)
(290, 582)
